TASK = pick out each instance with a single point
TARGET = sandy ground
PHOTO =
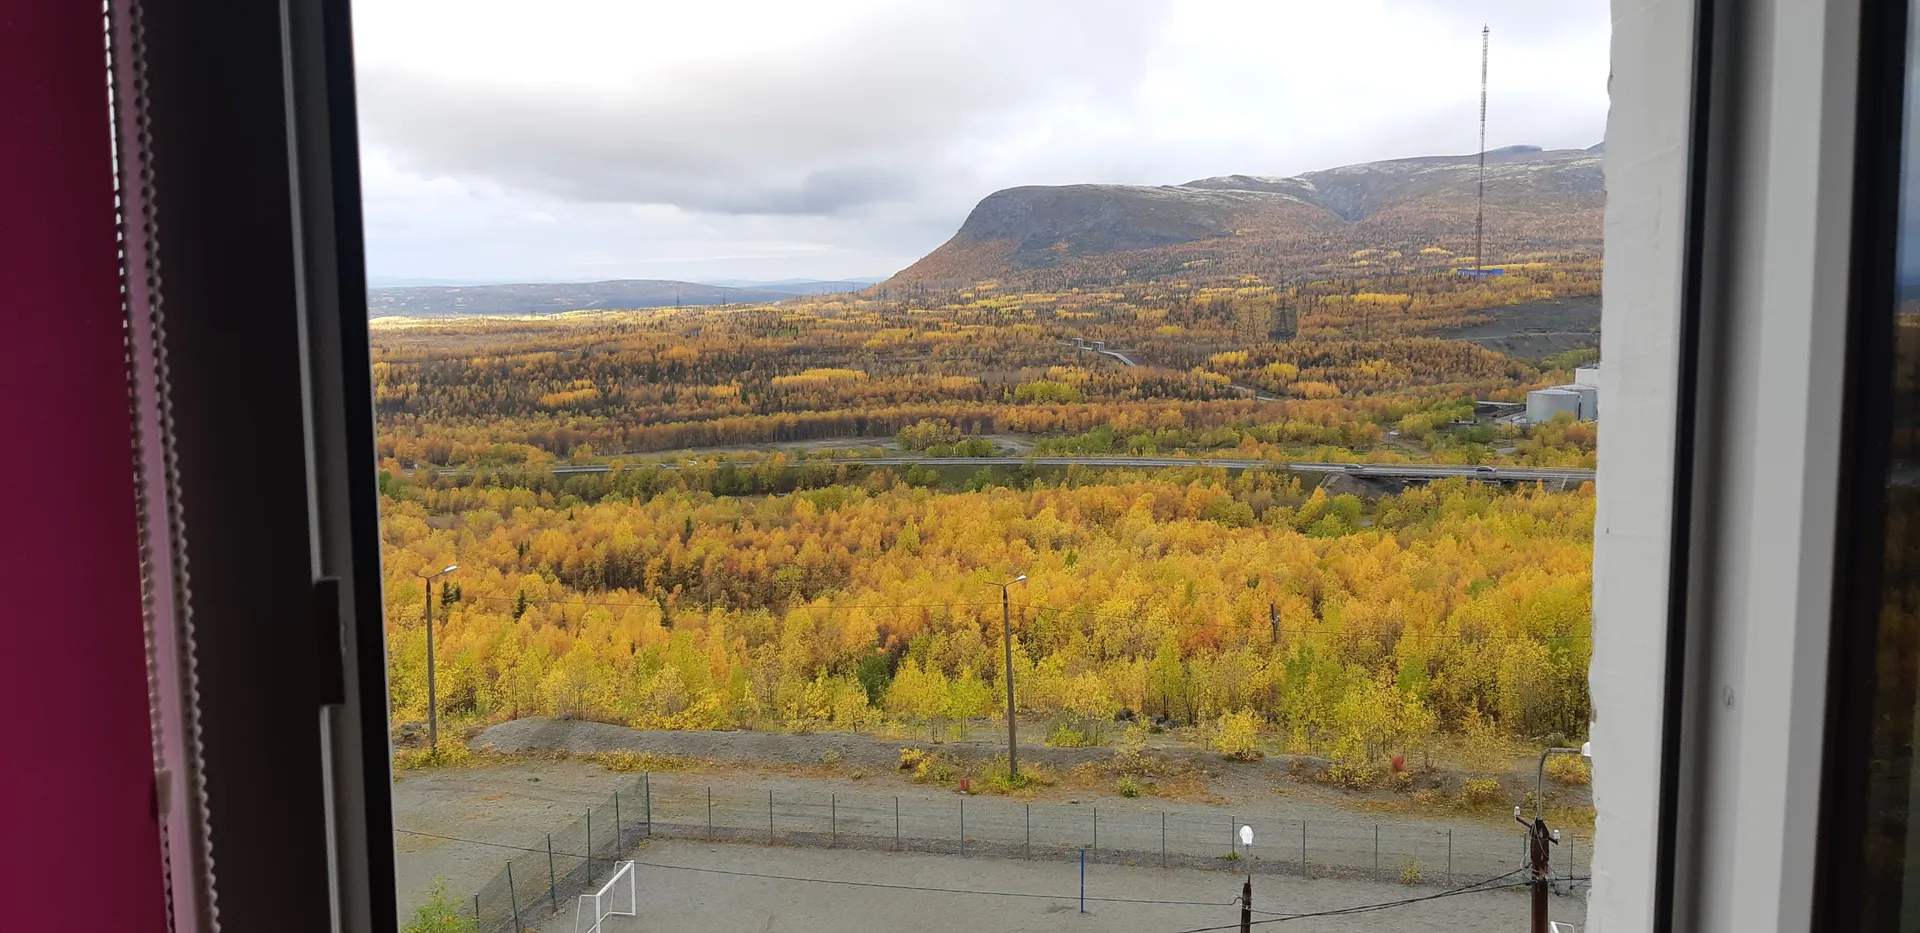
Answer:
(695, 887)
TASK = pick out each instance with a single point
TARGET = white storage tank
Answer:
(1587, 376)
(1543, 404)
(1589, 400)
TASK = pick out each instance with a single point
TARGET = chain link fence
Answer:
(577, 857)
(572, 860)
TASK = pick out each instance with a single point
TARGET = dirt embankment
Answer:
(578, 737)
(1203, 772)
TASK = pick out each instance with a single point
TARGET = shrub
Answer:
(1481, 791)
(1410, 873)
(1349, 775)
(1570, 770)
(1128, 787)
(997, 778)
(1401, 781)
(451, 753)
(439, 915)
(1065, 736)
(1237, 736)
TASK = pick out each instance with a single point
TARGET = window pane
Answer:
(1892, 896)
(867, 466)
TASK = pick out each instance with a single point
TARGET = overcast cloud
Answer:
(742, 139)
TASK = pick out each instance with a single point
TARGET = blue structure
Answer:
(1479, 273)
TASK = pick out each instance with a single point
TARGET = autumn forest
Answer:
(731, 562)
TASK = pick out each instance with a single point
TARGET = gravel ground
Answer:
(701, 887)
(461, 824)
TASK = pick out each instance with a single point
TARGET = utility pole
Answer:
(1480, 206)
(1246, 904)
(1006, 639)
(1539, 837)
(1273, 619)
(433, 706)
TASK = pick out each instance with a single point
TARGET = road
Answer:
(1392, 471)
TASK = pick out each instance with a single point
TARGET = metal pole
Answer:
(1163, 839)
(589, 843)
(513, 897)
(769, 815)
(646, 781)
(1449, 855)
(709, 811)
(833, 817)
(1006, 638)
(963, 826)
(1246, 905)
(617, 840)
(433, 711)
(1096, 832)
(896, 824)
(1376, 851)
(1029, 843)
(1083, 880)
(476, 910)
(553, 899)
(1303, 850)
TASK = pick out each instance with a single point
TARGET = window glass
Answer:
(861, 465)
(1891, 899)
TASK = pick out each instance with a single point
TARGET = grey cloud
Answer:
(875, 116)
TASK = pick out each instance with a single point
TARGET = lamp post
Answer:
(1006, 639)
(433, 705)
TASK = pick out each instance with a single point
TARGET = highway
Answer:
(1390, 471)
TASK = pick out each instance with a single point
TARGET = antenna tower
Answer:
(1480, 206)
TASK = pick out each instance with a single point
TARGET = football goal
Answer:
(614, 899)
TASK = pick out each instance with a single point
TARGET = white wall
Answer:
(1646, 169)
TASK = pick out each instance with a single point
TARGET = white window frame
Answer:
(1734, 222)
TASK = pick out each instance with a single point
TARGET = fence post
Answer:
(963, 826)
(1083, 879)
(646, 781)
(1376, 852)
(1096, 832)
(769, 815)
(1163, 839)
(709, 811)
(1449, 855)
(553, 898)
(589, 845)
(1028, 850)
(476, 910)
(1303, 850)
(833, 817)
(617, 840)
(513, 897)
(896, 824)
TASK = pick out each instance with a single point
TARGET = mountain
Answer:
(800, 286)
(551, 298)
(1536, 201)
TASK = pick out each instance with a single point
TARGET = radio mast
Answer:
(1480, 206)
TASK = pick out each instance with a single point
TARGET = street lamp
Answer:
(433, 706)
(1006, 639)
(1540, 837)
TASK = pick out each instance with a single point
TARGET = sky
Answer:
(574, 140)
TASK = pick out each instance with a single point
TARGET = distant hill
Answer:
(463, 300)
(1536, 201)
(799, 286)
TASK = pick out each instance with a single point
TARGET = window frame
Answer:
(1733, 148)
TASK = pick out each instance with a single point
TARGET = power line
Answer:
(1475, 888)
(835, 881)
